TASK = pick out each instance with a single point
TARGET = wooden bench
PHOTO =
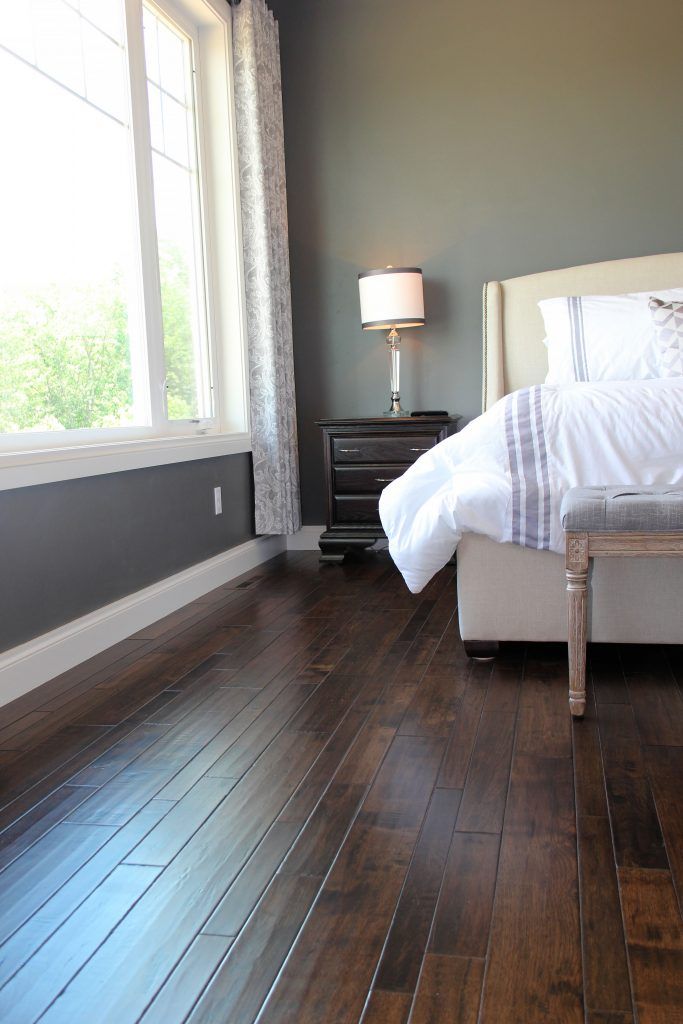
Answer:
(623, 521)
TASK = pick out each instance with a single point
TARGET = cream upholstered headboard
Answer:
(514, 353)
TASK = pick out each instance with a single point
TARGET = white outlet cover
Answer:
(217, 501)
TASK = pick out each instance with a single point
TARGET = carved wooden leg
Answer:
(577, 590)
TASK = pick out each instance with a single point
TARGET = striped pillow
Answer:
(603, 337)
(668, 322)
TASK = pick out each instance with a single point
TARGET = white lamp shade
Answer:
(391, 297)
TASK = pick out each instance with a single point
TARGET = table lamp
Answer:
(390, 298)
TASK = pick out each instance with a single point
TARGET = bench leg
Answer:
(577, 591)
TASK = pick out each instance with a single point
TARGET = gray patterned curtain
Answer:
(260, 142)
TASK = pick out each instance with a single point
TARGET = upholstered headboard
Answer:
(514, 353)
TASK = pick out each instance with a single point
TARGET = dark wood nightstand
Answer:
(361, 457)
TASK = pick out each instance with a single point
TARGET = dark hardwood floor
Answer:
(296, 800)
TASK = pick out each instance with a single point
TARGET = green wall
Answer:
(478, 139)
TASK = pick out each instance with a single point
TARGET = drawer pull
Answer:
(349, 450)
(419, 449)
(384, 479)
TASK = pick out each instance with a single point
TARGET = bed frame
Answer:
(506, 592)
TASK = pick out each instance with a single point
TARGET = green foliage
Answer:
(181, 388)
(64, 360)
(65, 354)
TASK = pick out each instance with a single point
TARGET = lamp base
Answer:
(395, 408)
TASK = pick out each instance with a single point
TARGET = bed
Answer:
(507, 592)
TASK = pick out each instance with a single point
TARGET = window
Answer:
(120, 287)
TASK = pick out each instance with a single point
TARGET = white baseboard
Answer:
(306, 539)
(27, 666)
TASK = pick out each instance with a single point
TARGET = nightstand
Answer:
(361, 457)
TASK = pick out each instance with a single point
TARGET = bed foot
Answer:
(481, 650)
(577, 703)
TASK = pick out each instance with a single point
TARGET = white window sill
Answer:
(26, 469)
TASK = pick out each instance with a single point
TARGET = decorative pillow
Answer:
(603, 337)
(668, 322)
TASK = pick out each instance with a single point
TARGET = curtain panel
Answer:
(261, 158)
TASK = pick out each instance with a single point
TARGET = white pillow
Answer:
(602, 337)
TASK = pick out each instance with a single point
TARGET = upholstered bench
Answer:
(624, 521)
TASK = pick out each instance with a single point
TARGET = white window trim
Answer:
(25, 467)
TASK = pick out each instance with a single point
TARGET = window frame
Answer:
(34, 458)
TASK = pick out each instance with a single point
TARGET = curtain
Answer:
(261, 157)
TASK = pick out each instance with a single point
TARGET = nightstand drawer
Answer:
(364, 479)
(356, 510)
(384, 449)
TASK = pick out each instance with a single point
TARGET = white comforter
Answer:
(505, 474)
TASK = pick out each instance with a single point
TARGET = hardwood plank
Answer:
(406, 942)
(48, 696)
(191, 696)
(449, 991)
(179, 993)
(589, 777)
(68, 897)
(665, 770)
(31, 879)
(485, 791)
(387, 1008)
(505, 680)
(323, 834)
(654, 933)
(166, 839)
(233, 910)
(197, 766)
(440, 616)
(26, 771)
(605, 966)
(36, 822)
(656, 699)
(463, 914)
(265, 666)
(39, 981)
(468, 714)
(433, 708)
(14, 735)
(414, 664)
(545, 680)
(240, 756)
(417, 620)
(371, 636)
(117, 801)
(112, 702)
(118, 756)
(336, 752)
(356, 904)
(171, 910)
(182, 741)
(340, 807)
(605, 672)
(325, 707)
(242, 982)
(536, 895)
(638, 840)
(365, 754)
(543, 734)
